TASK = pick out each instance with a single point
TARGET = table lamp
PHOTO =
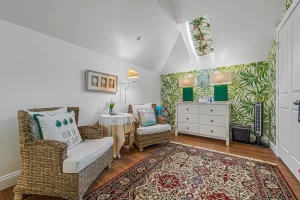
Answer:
(187, 85)
(220, 82)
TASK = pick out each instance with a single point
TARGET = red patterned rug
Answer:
(188, 173)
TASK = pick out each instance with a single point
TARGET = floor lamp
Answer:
(132, 74)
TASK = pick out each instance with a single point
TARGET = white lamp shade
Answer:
(132, 74)
(188, 82)
(221, 78)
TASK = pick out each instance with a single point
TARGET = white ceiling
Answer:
(242, 30)
(106, 26)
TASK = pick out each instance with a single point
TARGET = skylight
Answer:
(201, 36)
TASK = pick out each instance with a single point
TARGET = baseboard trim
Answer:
(9, 180)
(273, 147)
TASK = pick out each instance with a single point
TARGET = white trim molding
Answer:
(287, 15)
(273, 147)
(9, 180)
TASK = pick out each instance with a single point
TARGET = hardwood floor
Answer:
(130, 158)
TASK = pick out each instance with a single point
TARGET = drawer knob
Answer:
(187, 118)
(187, 109)
(211, 110)
(187, 127)
(211, 120)
(211, 131)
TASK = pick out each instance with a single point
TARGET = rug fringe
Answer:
(248, 158)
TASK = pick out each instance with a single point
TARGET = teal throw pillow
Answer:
(159, 110)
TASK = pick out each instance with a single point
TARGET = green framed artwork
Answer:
(188, 94)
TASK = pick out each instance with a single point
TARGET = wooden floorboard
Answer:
(128, 159)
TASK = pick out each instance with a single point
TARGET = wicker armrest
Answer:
(91, 132)
(137, 124)
(161, 120)
(43, 154)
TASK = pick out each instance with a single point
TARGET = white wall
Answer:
(40, 71)
(180, 60)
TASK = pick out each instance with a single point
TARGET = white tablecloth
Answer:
(120, 119)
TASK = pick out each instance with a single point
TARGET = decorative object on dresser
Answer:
(50, 168)
(203, 119)
(100, 82)
(149, 135)
(132, 74)
(220, 81)
(187, 85)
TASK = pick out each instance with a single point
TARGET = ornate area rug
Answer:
(185, 173)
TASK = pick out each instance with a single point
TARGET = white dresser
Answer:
(203, 119)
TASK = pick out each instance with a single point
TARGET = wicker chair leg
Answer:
(141, 149)
(108, 166)
(18, 196)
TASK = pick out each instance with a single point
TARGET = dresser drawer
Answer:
(188, 118)
(212, 120)
(187, 109)
(191, 128)
(214, 131)
(212, 110)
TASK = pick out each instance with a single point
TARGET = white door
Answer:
(289, 91)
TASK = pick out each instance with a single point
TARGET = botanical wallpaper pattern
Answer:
(201, 36)
(249, 85)
(272, 82)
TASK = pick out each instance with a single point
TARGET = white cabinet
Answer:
(203, 119)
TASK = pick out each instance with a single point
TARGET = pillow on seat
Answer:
(33, 127)
(147, 117)
(60, 127)
(135, 109)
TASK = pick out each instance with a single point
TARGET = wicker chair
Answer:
(144, 140)
(42, 163)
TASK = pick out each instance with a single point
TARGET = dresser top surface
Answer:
(204, 103)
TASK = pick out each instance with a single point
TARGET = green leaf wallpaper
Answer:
(272, 82)
(250, 84)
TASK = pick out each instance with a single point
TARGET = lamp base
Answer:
(221, 92)
(188, 94)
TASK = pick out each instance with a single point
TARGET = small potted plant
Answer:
(111, 106)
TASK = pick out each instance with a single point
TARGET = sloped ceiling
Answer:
(109, 27)
(242, 30)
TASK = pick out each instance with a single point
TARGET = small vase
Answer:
(111, 111)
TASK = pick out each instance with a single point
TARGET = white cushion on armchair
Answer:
(85, 153)
(153, 129)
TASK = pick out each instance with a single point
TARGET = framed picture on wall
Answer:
(100, 82)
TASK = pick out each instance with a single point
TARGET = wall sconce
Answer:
(132, 74)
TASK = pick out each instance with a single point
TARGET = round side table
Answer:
(117, 126)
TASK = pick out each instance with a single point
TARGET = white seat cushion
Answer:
(154, 129)
(85, 153)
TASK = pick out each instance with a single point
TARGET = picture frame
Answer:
(100, 82)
